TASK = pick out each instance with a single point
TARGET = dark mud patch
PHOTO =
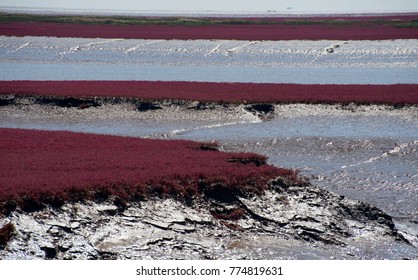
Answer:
(257, 160)
(7, 229)
(210, 146)
(261, 108)
(148, 106)
(67, 102)
(6, 100)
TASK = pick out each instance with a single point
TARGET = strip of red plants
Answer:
(39, 168)
(219, 92)
(277, 31)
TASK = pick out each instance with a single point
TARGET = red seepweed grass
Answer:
(219, 92)
(39, 168)
(310, 28)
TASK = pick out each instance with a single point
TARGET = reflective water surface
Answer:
(368, 153)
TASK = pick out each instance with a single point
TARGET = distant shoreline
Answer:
(208, 13)
(208, 28)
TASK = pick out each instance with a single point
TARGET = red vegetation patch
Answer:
(43, 167)
(219, 92)
(359, 29)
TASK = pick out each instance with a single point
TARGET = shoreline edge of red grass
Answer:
(300, 28)
(392, 94)
(49, 168)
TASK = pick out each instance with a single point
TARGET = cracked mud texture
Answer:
(317, 224)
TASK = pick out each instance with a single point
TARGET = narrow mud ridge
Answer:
(68, 102)
(220, 93)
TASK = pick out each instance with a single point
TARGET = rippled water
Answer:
(369, 157)
(253, 74)
(320, 53)
(369, 154)
(306, 62)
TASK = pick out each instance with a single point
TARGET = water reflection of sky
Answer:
(301, 75)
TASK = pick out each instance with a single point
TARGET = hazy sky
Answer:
(224, 5)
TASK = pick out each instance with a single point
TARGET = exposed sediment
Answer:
(210, 228)
(215, 92)
(289, 220)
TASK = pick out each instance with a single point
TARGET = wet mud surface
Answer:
(365, 153)
(286, 222)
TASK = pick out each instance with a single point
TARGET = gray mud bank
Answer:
(357, 160)
(286, 222)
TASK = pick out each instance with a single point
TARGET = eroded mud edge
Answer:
(144, 105)
(208, 228)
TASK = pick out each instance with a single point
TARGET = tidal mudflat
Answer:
(252, 139)
(373, 163)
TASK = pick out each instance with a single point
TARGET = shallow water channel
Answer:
(296, 61)
(367, 153)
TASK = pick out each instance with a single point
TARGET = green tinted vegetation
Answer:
(123, 20)
(185, 21)
(410, 24)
